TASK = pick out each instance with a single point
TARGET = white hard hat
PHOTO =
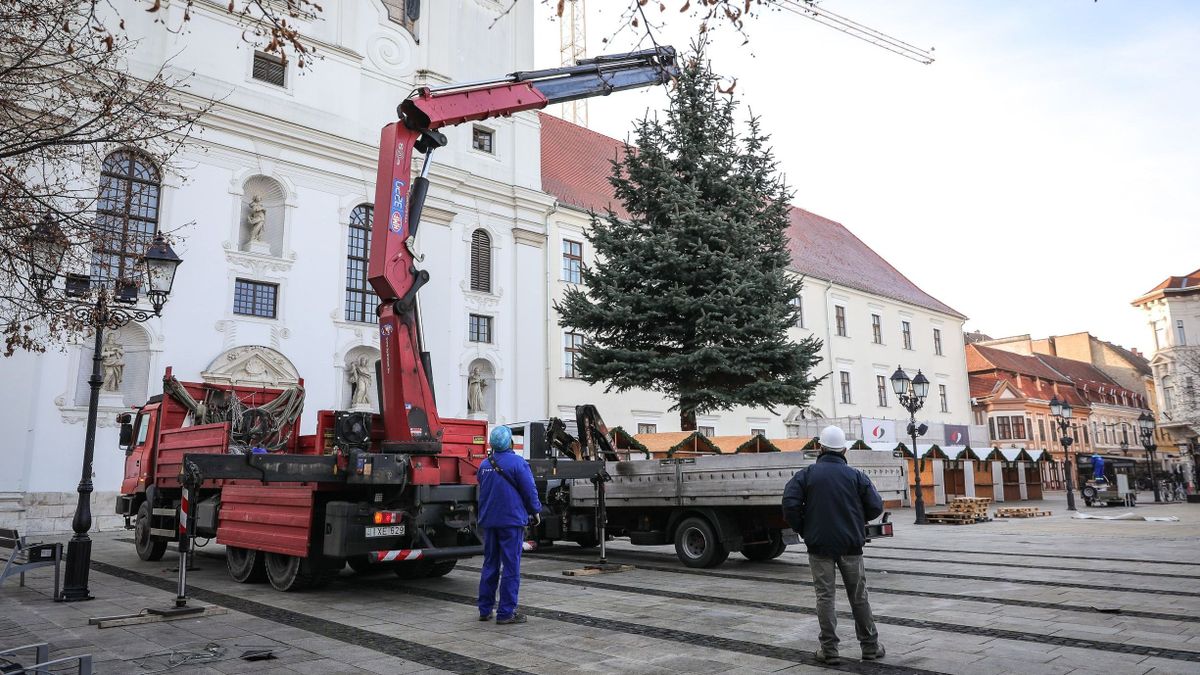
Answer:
(833, 438)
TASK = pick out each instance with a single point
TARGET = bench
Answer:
(23, 556)
(41, 655)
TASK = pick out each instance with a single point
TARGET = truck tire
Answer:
(361, 565)
(148, 548)
(441, 568)
(245, 565)
(765, 551)
(292, 573)
(696, 544)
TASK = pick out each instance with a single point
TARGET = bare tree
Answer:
(84, 143)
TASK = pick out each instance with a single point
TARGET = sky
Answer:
(1042, 173)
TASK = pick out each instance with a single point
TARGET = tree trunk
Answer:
(687, 417)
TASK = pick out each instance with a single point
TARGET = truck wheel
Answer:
(361, 565)
(765, 551)
(413, 569)
(441, 568)
(245, 565)
(292, 573)
(1089, 492)
(148, 548)
(696, 544)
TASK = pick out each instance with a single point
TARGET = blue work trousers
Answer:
(501, 566)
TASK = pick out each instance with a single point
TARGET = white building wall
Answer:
(317, 137)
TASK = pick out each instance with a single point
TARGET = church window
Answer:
(481, 261)
(481, 139)
(360, 298)
(479, 328)
(270, 69)
(126, 214)
(255, 298)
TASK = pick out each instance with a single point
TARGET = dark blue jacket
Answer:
(499, 504)
(829, 504)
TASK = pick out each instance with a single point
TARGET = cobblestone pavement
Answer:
(1046, 595)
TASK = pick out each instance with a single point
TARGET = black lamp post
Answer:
(912, 393)
(1061, 411)
(1146, 427)
(94, 308)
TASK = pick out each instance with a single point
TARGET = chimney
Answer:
(1136, 352)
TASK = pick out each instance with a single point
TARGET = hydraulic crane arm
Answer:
(411, 422)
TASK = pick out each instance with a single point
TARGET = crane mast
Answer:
(410, 418)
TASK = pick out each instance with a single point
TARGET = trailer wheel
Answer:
(148, 548)
(245, 565)
(766, 551)
(292, 573)
(696, 544)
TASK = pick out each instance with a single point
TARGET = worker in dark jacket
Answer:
(829, 504)
(507, 500)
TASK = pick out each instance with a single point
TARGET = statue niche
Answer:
(481, 390)
(260, 227)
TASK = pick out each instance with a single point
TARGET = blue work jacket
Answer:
(829, 503)
(500, 505)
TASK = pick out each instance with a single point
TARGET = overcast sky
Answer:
(1037, 177)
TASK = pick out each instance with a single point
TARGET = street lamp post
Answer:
(1146, 426)
(1061, 411)
(912, 393)
(97, 308)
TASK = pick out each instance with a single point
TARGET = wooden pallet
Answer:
(953, 518)
(1020, 512)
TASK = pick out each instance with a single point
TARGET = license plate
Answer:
(387, 531)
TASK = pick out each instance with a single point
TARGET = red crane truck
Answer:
(396, 487)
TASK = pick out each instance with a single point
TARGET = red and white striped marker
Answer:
(184, 508)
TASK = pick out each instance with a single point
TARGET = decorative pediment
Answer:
(252, 365)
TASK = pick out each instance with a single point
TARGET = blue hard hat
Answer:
(500, 439)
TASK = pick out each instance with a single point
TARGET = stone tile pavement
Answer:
(1020, 596)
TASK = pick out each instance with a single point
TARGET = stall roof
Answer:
(741, 444)
(623, 440)
(793, 444)
(959, 452)
(924, 450)
(1037, 455)
(1009, 455)
(669, 443)
(883, 447)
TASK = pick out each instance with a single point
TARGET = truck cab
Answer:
(137, 441)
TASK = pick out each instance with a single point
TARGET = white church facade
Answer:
(270, 208)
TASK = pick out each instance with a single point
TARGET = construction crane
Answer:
(572, 49)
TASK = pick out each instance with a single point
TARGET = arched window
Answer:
(481, 261)
(360, 297)
(126, 214)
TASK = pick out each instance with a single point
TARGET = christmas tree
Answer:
(691, 296)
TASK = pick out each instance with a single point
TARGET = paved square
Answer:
(1045, 595)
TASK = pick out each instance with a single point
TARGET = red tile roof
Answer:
(576, 166)
(1174, 285)
(983, 359)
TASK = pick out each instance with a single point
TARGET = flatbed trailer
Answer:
(706, 505)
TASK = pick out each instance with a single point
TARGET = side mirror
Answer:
(126, 435)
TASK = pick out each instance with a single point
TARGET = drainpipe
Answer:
(833, 394)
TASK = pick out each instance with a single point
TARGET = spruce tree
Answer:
(690, 295)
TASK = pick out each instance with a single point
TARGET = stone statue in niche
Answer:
(475, 386)
(112, 357)
(256, 221)
(360, 377)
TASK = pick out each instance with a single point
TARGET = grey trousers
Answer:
(854, 578)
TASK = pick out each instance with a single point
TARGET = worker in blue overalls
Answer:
(507, 501)
(1098, 469)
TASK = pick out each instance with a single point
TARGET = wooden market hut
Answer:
(1033, 473)
(743, 444)
(677, 444)
(626, 445)
(981, 474)
(957, 472)
(1011, 479)
(929, 484)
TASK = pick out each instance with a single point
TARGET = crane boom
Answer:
(410, 418)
